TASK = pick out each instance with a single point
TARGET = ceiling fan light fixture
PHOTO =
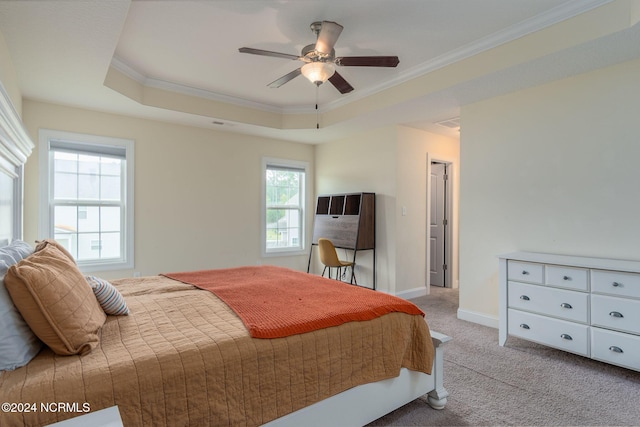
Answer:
(318, 72)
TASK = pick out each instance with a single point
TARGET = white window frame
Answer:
(16, 175)
(92, 143)
(293, 164)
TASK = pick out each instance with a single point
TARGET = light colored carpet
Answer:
(521, 384)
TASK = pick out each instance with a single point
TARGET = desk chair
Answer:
(329, 258)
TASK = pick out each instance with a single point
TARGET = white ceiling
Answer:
(62, 51)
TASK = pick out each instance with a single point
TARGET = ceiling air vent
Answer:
(452, 123)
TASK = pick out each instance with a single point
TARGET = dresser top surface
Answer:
(575, 261)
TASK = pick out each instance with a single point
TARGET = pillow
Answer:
(18, 343)
(42, 243)
(110, 299)
(56, 301)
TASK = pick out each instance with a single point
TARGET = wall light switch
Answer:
(404, 210)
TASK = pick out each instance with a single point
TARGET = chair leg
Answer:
(353, 275)
(325, 269)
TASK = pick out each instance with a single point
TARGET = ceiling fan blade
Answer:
(340, 83)
(284, 79)
(267, 53)
(329, 33)
(368, 61)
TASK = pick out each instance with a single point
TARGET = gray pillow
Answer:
(18, 344)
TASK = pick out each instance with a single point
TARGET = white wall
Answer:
(197, 191)
(550, 169)
(391, 162)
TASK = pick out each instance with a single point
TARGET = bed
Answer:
(183, 356)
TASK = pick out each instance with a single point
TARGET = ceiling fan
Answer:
(320, 59)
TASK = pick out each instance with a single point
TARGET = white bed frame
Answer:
(368, 402)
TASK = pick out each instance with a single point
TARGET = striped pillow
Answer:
(110, 299)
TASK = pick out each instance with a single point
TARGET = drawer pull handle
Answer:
(566, 337)
(616, 349)
(616, 314)
(565, 305)
(616, 284)
(525, 272)
(524, 326)
(566, 278)
(524, 297)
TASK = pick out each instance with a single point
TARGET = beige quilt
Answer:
(182, 357)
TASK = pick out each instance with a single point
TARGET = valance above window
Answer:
(15, 143)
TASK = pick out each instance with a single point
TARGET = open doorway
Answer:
(439, 246)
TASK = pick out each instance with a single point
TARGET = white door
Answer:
(437, 243)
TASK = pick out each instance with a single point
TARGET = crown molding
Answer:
(146, 81)
(531, 25)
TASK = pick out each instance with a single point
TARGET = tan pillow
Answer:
(40, 244)
(56, 301)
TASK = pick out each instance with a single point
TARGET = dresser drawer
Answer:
(567, 277)
(615, 313)
(615, 283)
(561, 334)
(569, 305)
(525, 271)
(616, 348)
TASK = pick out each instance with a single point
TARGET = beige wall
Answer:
(549, 169)
(365, 162)
(197, 191)
(416, 150)
(391, 162)
(8, 76)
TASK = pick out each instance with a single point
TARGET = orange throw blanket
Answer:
(275, 302)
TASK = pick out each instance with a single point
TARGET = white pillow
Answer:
(18, 343)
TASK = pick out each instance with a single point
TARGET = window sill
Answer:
(93, 267)
(284, 252)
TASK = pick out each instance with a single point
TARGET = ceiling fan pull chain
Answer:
(317, 114)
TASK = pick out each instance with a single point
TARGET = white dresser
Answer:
(587, 306)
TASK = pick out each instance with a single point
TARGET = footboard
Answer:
(365, 403)
(438, 395)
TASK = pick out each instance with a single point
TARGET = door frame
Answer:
(448, 235)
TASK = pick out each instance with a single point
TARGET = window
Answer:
(10, 202)
(87, 197)
(284, 202)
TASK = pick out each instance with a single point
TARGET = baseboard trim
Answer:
(479, 318)
(413, 293)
